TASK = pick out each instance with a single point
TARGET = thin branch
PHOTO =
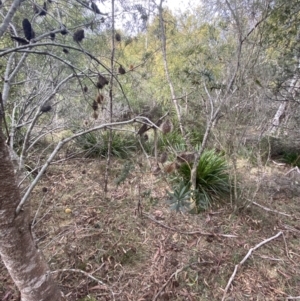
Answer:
(87, 275)
(168, 281)
(245, 258)
(268, 209)
(14, 7)
(189, 233)
(60, 145)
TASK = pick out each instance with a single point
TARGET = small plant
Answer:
(127, 167)
(173, 139)
(292, 158)
(212, 180)
(180, 198)
(96, 144)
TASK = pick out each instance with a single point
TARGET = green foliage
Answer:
(179, 199)
(173, 139)
(292, 159)
(96, 144)
(124, 173)
(212, 179)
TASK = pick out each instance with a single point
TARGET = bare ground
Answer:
(128, 245)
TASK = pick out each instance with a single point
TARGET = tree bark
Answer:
(18, 251)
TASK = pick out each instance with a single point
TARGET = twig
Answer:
(189, 233)
(245, 258)
(168, 281)
(286, 247)
(295, 168)
(268, 209)
(87, 275)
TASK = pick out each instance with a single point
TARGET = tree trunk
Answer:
(21, 257)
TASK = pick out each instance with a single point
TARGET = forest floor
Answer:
(129, 246)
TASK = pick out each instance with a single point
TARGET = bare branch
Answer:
(245, 258)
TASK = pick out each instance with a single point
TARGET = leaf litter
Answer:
(106, 248)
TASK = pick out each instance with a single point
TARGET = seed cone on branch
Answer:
(85, 89)
(52, 36)
(95, 8)
(78, 35)
(43, 11)
(63, 30)
(102, 81)
(118, 37)
(163, 158)
(21, 41)
(99, 98)
(171, 167)
(143, 129)
(95, 115)
(46, 108)
(121, 70)
(65, 50)
(28, 31)
(166, 126)
(95, 105)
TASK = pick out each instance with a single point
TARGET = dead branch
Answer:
(167, 282)
(245, 258)
(268, 209)
(189, 233)
(87, 275)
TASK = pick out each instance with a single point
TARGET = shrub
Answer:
(96, 144)
(212, 180)
(292, 159)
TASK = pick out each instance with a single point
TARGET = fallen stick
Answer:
(87, 275)
(189, 233)
(168, 281)
(268, 209)
(245, 258)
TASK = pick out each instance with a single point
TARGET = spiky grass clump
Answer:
(96, 144)
(212, 180)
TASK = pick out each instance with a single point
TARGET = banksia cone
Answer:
(78, 35)
(167, 126)
(99, 98)
(28, 31)
(156, 170)
(143, 129)
(95, 105)
(95, 8)
(102, 81)
(163, 158)
(63, 30)
(121, 70)
(118, 37)
(52, 36)
(170, 167)
(43, 11)
(95, 115)
(20, 40)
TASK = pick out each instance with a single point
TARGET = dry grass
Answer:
(150, 253)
